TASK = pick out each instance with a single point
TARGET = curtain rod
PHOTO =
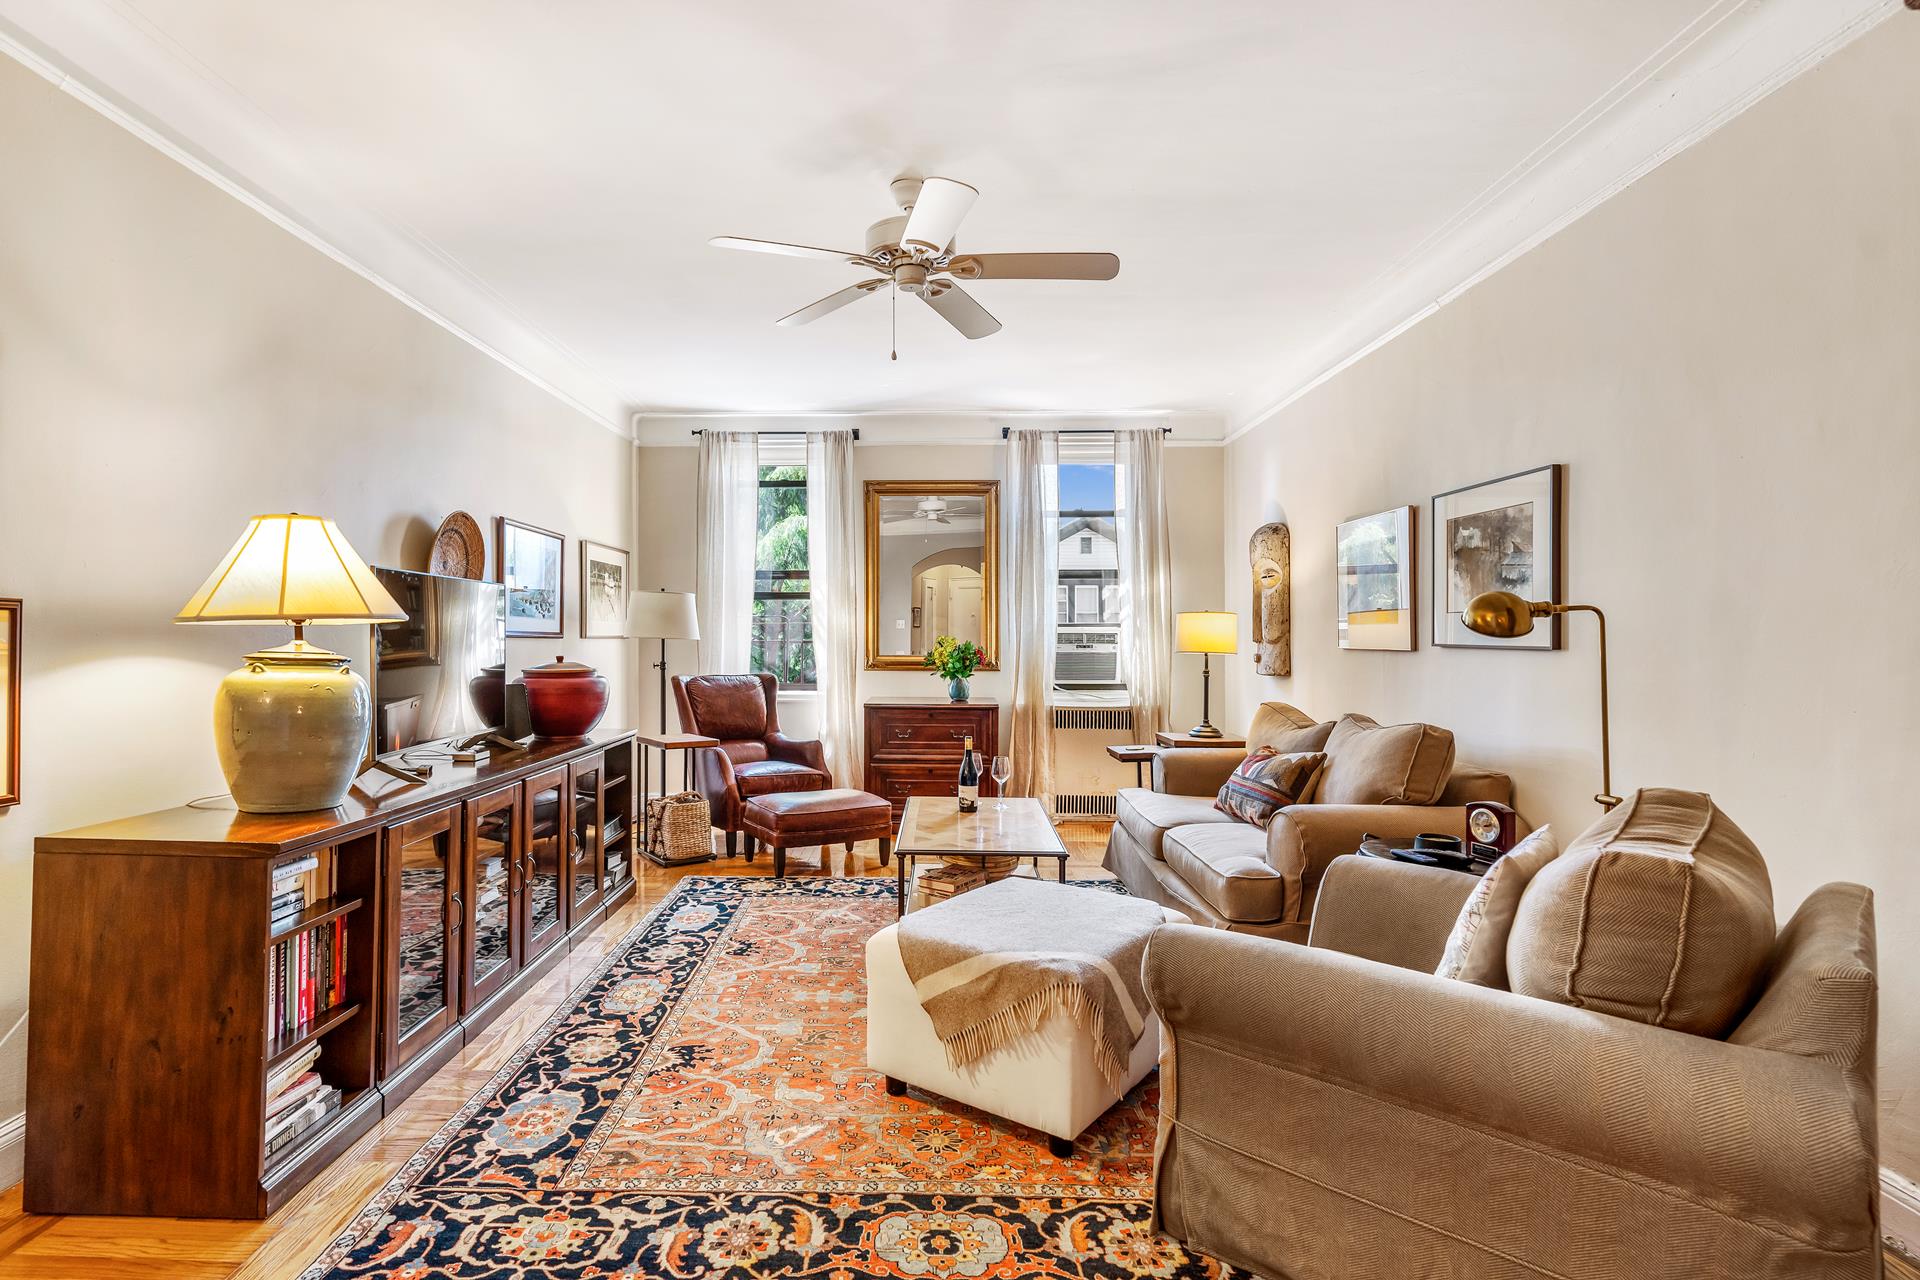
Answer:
(1078, 431)
(700, 431)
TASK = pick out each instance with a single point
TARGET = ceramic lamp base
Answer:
(291, 729)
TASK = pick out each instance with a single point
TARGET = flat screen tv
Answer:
(442, 673)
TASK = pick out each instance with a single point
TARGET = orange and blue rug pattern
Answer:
(702, 1107)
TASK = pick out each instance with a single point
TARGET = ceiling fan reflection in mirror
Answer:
(915, 253)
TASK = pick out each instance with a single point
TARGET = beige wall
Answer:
(665, 534)
(1724, 358)
(171, 363)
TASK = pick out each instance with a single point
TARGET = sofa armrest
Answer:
(1768, 1139)
(1397, 913)
(1304, 839)
(807, 751)
(1194, 771)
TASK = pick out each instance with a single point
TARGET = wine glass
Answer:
(1001, 770)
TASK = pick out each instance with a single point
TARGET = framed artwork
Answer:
(9, 701)
(529, 563)
(1499, 535)
(603, 591)
(1373, 576)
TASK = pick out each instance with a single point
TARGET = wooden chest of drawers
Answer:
(914, 746)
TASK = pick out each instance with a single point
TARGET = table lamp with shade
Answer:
(1206, 633)
(662, 615)
(1503, 615)
(291, 725)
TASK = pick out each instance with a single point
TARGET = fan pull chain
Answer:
(896, 323)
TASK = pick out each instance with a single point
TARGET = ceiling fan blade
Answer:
(832, 302)
(957, 307)
(936, 215)
(1035, 266)
(790, 250)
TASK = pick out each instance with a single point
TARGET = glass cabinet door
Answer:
(584, 881)
(549, 841)
(425, 910)
(494, 844)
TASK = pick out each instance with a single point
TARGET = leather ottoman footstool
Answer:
(794, 819)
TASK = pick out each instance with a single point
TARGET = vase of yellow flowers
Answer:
(954, 661)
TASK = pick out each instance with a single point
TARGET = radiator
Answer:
(1085, 777)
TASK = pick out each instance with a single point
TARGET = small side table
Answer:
(663, 743)
(1166, 739)
(1135, 753)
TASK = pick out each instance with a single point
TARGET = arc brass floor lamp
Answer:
(1502, 614)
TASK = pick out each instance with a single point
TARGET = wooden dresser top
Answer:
(217, 829)
(985, 704)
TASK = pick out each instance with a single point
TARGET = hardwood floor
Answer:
(50, 1248)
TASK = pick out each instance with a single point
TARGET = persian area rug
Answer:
(702, 1107)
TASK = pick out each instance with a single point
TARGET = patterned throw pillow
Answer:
(1267, 782)
(1477, 948)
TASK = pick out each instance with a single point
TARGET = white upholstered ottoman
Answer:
(1046, 1080)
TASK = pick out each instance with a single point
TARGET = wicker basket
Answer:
(678, 829)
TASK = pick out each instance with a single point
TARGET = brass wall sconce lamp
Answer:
(1502, 614)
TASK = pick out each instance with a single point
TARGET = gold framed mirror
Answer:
(933, 553)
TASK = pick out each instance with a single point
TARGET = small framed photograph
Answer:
(1374, 576)
(9, 701)
(603, 591)
(530, 563)
(1499, 535)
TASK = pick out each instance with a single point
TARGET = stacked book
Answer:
(289, 891)
(297, 1100)
(945, 881)
(306, 976)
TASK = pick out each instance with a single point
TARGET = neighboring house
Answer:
(1087, 604)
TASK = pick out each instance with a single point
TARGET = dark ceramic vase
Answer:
(564, 699)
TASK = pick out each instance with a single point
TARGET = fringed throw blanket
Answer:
(996, 962)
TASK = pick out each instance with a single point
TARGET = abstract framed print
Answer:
(1499, 535)
(1374, 579)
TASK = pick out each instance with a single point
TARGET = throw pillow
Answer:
(1477, 948)
(1660, 912)
(1372, 763)
(1267, 782)
(1284, 729)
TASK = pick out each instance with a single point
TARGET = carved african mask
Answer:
(1272, 600)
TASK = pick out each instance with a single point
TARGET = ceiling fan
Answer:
(915, 253)
(933, 510)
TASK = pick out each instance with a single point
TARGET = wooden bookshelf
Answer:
(152, 1041)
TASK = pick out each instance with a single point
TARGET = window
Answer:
(1088, 598)
(781, 643)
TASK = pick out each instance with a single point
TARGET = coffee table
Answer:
(934, 827)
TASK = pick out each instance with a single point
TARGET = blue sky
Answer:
(1084, 488)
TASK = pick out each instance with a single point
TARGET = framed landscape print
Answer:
(1374, 574)
(9, 701)
(529, 561)
(1500, 535)
(603, 590)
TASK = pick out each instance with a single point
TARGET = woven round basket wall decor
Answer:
(459, 548)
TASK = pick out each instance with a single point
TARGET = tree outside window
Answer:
(781, 641)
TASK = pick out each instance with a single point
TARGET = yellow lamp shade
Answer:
(1206, 632)
(292, 568)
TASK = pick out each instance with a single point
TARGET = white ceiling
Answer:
(545, 177)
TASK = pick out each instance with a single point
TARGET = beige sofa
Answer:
(1336, 1110)
(1171, 845)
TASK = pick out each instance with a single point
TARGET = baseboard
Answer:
(1900, 1214)
(13, 1149)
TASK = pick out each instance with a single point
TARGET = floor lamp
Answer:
(662, 616)
(1502, 614)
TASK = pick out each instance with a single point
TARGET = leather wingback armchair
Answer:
(754, 758)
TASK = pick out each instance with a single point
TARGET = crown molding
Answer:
(162, 96)
(1730, 57)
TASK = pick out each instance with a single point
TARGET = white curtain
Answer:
(729, 501)
(834, 536)
(1031, 563)
(1146, 576)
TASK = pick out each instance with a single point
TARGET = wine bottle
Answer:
(969, 779)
